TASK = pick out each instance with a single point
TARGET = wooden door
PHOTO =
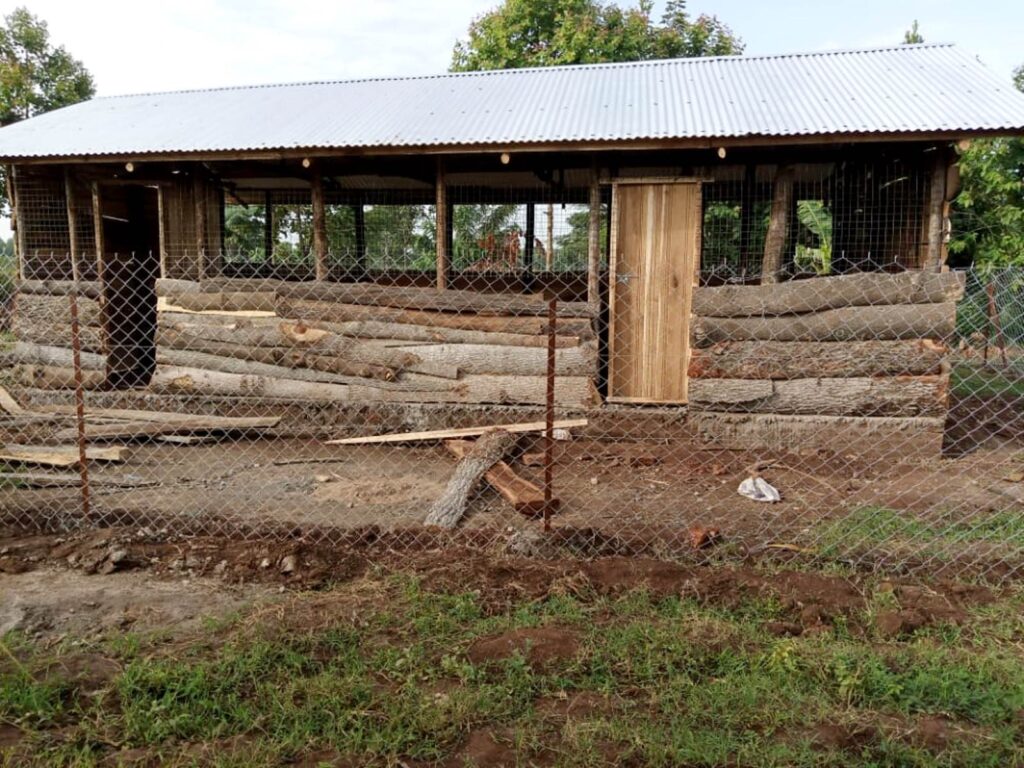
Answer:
(654, 257)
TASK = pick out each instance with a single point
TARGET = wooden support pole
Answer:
(747, 220)
(443, 227)
(97, 228)
(199, 198)
(268, 228)
(76, 356)
(73, 246)
(17, 219)
(319, 224)
(549, 254)
(936, 212)
(359, 217)
(529, 236)
(161, 214)
(594, 244)
(778, 225)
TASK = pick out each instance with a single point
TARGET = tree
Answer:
(913, 35)
(36, 77)
(988, 214)
(532, 33)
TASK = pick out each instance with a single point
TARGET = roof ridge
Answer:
(680, 61)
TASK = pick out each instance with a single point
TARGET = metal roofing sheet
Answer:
(900, 89)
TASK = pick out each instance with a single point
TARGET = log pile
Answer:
(864, 345)
(322, 342)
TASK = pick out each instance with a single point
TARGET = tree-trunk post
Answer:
(97, 227)
(530, 234)
(359, 219)
(319, 224)
(14, 197)
(73, 246)
(443, 227)
(594, 243)
(199, 198)
(778, 224)
(936, 212)
(549, 254)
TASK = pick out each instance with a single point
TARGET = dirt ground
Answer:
(656, 488)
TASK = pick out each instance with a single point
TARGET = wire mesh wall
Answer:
(871, 417)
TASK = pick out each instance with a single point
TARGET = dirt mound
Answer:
(540, 646)
(485, 750)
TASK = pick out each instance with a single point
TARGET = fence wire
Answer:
(884, 409)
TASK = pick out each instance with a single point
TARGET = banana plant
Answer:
(817, 219)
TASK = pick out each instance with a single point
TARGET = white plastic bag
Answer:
(758, 489)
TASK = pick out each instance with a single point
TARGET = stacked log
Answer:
(865, 345)
(323, 341)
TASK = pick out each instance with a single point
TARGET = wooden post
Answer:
(268, 228)
(97, 228)
(529, 236)
(443, 228)
(778, 225)
(549, 255)
(75, 251)
(936, 212)
(594, 244)
(199, 195)
(14, 197)
(161, 213)
(359, 216)
(319, 224)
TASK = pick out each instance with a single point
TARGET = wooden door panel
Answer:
(656, 236)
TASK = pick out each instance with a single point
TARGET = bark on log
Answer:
(404, 297)
(169, 286)
(196, 425)
(224, 302)
(778, 225)
(90, 289)
(448, 510)
(810, 359)
(307, 311)
(508, 361)
(374, 329)
(33, 309)
(284, 356)
(890, 396)
(820, 293)
(55, 334)
(570, 391)
(181, 380)
(882, 323)
(526, 498)
(879, 441)
(56, 377)
(43, 354)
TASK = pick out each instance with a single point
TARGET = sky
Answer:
(132, 46)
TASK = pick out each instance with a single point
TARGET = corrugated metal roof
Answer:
(900, 89)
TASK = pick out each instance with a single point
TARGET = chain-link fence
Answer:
(871, 418)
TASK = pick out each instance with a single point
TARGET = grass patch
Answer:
(668, 681)
(968, 380)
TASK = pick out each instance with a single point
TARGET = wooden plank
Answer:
(525, 497)
(880, 323)
(836, 292)
(651, 288)
(449, 434)
(168, 417)
(59, 455)
(49, 480)
(815, 359)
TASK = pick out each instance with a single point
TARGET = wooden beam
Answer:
(97, 227)
(451, 434)
(72, 210)
(525, 497)
(443, 227)
(778, 225)
(319, 224)
(936, 212)
(161, 212)
(359, 217)
(594, 245)
(17, 221)
(199, 199)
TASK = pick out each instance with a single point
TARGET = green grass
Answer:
(986, 381)
(387, 678)
(879, 527)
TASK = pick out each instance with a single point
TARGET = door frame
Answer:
(613, 241)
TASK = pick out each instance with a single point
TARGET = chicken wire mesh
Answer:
(879, 399)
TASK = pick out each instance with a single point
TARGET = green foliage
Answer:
(913, 35)
(531, 33)
(988, 214)
(816, 219)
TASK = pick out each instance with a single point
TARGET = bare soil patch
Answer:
(540, 646)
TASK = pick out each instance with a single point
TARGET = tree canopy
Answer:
(530, 33)
(35, 76)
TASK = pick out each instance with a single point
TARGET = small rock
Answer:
(117, 556)
(220, 567)
(593, 481)
(288, 564)
(265, 562)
